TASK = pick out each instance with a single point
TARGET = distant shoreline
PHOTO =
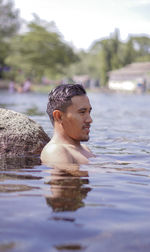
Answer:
(40, 88)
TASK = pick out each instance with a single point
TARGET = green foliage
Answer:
(9, 25)
(126, 53)
(88, 64)
(111, 53)
(40, 52)
(9, 19)
(4, 48)
(141, 44)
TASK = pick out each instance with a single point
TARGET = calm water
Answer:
(107, 211)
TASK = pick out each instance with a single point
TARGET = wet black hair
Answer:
(60, 97)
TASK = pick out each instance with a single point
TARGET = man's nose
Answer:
(89, 119)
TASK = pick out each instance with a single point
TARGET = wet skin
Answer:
(70, 128)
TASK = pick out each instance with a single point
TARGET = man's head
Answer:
(60, 98)
(69, 110)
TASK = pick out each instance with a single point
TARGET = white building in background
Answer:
(133, 77)
(122, 85)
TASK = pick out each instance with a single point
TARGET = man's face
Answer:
(76, 119)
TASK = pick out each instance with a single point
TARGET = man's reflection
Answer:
(67, 190)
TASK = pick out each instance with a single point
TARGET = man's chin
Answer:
(85, 139)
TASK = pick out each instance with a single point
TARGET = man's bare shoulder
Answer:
(55, 153)
(86, 148)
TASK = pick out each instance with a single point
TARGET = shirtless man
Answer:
(69, 111)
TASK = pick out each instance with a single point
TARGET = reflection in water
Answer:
(72, 247)
(67, 191)
(34, 111)
(7, 246)
(8, 188)
(19, 162)
(10, 169)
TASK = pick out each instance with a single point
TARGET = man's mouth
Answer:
(87, 128)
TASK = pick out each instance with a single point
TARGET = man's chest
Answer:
(80, 157)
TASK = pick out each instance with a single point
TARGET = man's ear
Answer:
(57, 115)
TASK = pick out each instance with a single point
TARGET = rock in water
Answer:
(19, 135)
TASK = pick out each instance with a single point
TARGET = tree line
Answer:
(111, 53)
(41, 50)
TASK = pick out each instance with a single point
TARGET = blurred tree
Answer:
(9, 25)
(141, 45)
(114, 45)
(127, 53)
(108, 54)
(114, 54)
(9, 19)
(41, 51)
(105, 60)
(85, 65)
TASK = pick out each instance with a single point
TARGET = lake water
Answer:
(107, 211)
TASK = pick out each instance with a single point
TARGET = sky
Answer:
(81, 22)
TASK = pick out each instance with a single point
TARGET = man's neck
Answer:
(60, 138)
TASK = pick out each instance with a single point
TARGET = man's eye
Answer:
(82, 112)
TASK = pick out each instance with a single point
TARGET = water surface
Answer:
(108, 210)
